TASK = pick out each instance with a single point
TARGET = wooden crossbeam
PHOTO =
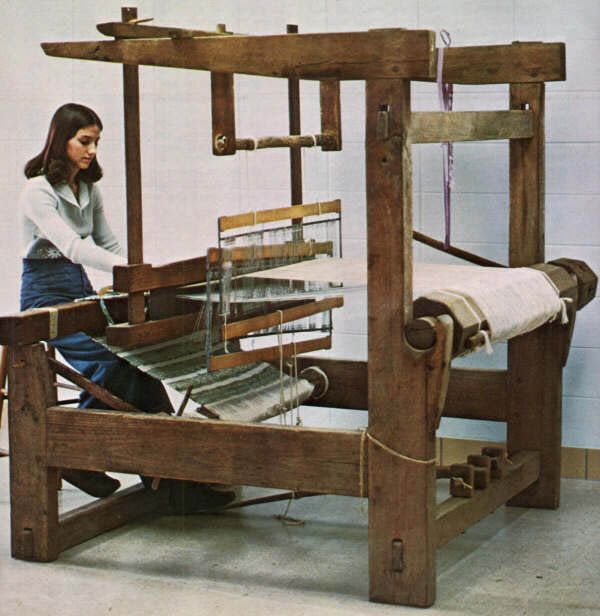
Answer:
(455, 515)
(145, 277)
(269, 251)
(309, 459)
(249, 219)
(273, 353)
(516, 63)
(390, 53)
(439, 126)
(246, 326)
(34, 325)
(95, 518)
(129, 336)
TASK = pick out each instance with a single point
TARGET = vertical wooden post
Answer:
(3, 389)
(133, 175)
(295, 152)
(401, 493)
(534, 360)
(33, 486)
(223, 110)
(331, 115)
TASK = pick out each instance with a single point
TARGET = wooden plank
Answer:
(248, 219)
(477, 394)
(455, 515)
(440, 126)
(128, 336)
(93, 519)
(145, 277)
(331, 115)
(516, 63)
(133, 174)
(307, 459)
(122, 30)
(246, 326)
(92, 388)
(33, 485)
(229, 360)
(390, 53)
(33, 325)
(401, 493)
(269, 251)
(223, 113)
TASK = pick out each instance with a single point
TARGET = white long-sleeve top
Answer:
(53, 213)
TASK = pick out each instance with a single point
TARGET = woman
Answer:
(64, 228)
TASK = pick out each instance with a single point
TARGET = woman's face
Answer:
(81, 148)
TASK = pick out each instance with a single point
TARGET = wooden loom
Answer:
(404, 385)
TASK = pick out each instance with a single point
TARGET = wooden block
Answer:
(455, 451)
(223, 113)
(331, 115)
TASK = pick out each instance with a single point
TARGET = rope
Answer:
(363, 438)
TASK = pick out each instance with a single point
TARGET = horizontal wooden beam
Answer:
(293, 458)
(121, 30)
(472, 393)
(477, 394)
(273, 319)
(31, 326)
(145, 277)
(269, 251)
(439, 126)
(455, 515)
(95, 518)
(270, 354)
(129, 336)
(249, 219)
(516, 63)
(389, 53)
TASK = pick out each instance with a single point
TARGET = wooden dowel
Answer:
(455, 252)
(287, 141)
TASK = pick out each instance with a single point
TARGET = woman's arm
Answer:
(102, 233)
(40, 205)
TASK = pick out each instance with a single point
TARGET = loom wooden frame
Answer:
(403, 388)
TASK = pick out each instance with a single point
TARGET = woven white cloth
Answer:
(513, 300)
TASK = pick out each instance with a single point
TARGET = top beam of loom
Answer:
(376, 54)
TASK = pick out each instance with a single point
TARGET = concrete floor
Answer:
(514, 562)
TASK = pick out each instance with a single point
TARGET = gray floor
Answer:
(514, 562)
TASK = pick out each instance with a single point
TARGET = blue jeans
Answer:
(47, 282)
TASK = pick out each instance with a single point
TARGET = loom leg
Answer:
(535, 409)
(33, 485)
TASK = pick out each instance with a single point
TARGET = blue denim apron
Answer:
(47, 282)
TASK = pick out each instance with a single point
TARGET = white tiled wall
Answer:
(185, 188)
